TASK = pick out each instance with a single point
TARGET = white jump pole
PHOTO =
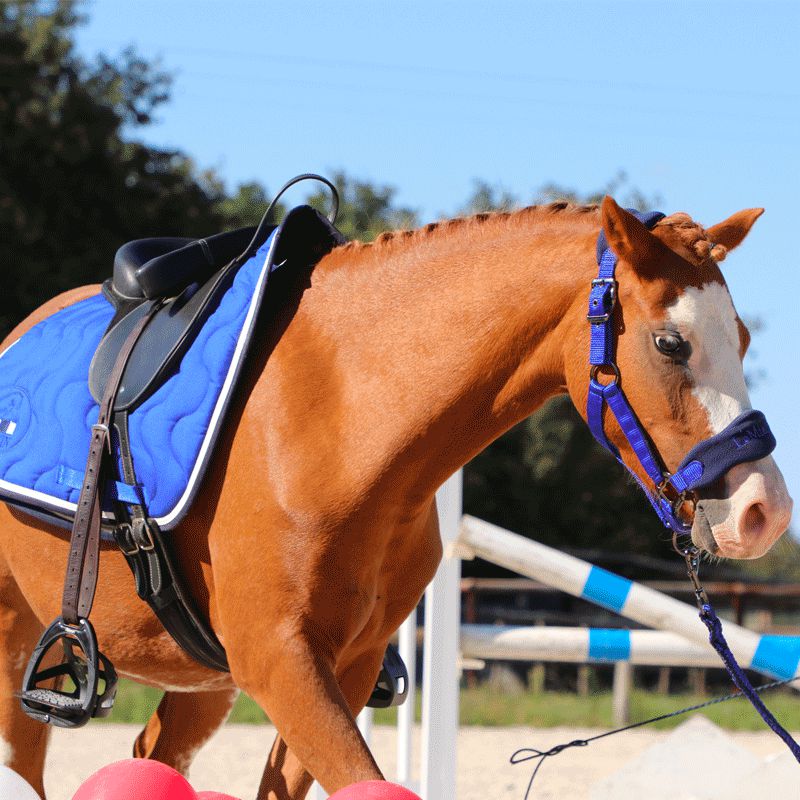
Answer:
(407, 645)
(776, 656)
(440, 670)
(584, 645)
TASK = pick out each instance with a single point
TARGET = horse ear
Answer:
(627, 236)
(732, 231)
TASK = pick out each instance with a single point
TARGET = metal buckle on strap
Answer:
(138, 533)
(125, 535)
(609, 298)
(141, 535)
(666, 491)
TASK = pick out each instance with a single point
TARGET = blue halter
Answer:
(747, 438)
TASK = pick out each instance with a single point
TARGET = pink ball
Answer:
(136, 779)
(214, 796)
(374, 790)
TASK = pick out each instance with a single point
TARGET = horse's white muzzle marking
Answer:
(760, 510)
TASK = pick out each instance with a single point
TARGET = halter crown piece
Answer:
(746, 438)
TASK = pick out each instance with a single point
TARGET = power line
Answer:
(428, 70)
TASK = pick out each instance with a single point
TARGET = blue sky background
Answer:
(696, 101)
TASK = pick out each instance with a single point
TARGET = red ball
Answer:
(215, 796)
(136, 779)
(374, 790)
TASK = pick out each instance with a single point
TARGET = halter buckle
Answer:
(605, 300)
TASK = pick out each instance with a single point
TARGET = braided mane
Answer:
(691, 234)
(694, 238)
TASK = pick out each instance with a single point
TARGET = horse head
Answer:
(679, 349)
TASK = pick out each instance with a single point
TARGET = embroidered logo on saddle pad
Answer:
(15, 412)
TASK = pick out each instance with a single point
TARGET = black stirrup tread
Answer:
(51, 698)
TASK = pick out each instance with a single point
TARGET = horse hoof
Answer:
(14, 785)
(374, 790)
(136, 779)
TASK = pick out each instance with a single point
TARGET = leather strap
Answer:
(80, 582)
(158, 580)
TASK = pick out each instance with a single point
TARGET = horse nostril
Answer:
(754, 520)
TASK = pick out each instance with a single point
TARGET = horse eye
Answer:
(668, 343)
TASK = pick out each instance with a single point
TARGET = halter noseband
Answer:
(747, 438)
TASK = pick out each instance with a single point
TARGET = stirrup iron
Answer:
(391, 688)
(82, 664)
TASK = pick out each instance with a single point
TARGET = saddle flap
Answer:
(301, 240)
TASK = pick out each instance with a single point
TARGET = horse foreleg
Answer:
(285, 777)
(182, 724)
(295, 684)
(23, 741)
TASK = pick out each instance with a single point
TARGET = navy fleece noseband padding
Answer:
(747, 438)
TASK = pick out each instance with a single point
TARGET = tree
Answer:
(73, 185)
(365, 209)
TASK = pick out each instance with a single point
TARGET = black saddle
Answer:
(188, 278)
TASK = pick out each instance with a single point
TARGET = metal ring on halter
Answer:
(676, 501)
(595, 371)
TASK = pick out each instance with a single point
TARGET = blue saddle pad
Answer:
(47, 411)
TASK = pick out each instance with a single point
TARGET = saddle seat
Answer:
(165, 266)
(188, 277)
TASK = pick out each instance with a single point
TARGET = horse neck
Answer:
(446, 339)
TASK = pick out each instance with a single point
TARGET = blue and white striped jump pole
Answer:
(776, 656)
(584, 645)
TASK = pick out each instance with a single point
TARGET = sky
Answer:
(695, 101)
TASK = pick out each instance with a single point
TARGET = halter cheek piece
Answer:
(747, 438)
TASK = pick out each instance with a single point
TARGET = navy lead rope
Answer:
(717, 639)
(737, 675)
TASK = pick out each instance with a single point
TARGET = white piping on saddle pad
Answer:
(208, 439)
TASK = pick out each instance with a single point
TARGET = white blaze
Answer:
(6, 752)
(705, 317)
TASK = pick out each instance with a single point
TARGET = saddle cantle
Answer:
(195, 273)
(164, 342)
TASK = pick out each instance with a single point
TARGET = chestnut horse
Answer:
(386, 368)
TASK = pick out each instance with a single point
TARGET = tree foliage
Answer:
(365, 210)
(73, 184)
